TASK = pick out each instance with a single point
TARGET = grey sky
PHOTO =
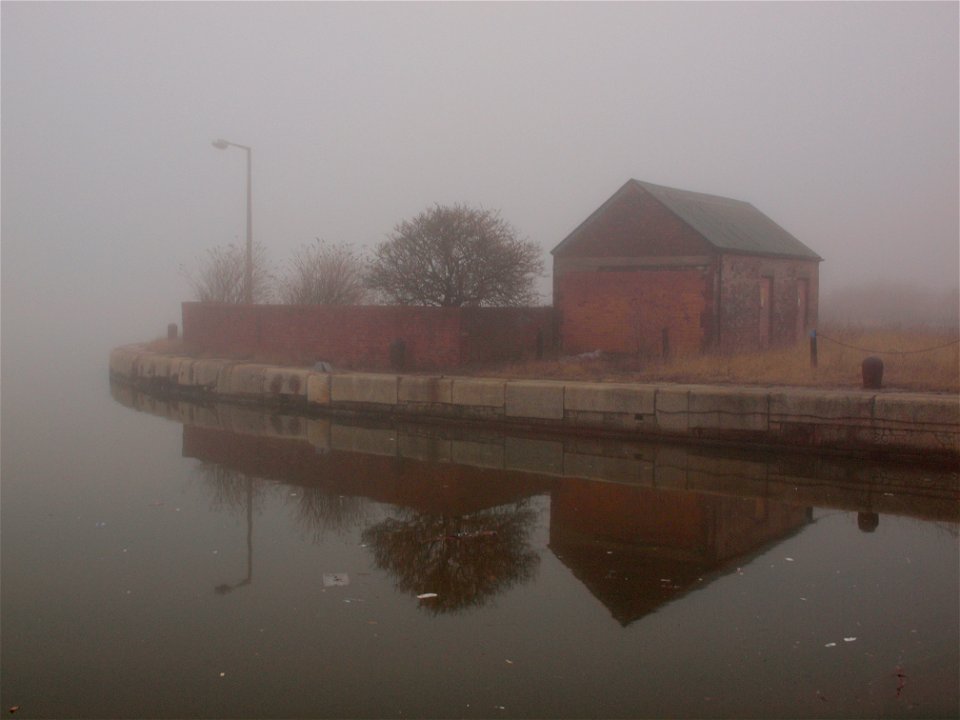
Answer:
(840, 121)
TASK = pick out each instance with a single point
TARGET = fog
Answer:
(839, 121)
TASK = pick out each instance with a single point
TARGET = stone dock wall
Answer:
(877, 422)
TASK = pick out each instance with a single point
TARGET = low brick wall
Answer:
(650, 313)
(364, 336)
(924, 425)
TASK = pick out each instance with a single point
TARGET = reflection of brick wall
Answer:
(630, 515)
(681, 524)
(627, 311)
(360, 336)
(427, 487)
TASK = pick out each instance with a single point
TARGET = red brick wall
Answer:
(627, 311)
(496, 334)
(360, 336)
(740, 277)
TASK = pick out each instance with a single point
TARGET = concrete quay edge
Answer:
(884, 422)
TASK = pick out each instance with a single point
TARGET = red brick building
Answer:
(656, 271)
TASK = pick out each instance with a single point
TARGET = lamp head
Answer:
(221, 144)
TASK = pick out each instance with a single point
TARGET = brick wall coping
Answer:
(923, 426)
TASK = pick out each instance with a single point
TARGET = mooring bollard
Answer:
(172, 331)
(872, 369)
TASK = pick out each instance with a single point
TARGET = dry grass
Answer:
(838, 365)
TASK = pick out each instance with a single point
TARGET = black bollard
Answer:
(872, 372)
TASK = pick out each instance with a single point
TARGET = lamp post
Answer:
(222, 144)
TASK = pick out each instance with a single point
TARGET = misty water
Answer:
(157, 563)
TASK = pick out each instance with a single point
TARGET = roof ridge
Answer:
(728, 225)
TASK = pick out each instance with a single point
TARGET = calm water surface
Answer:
(236, 564)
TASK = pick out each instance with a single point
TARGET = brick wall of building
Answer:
(740, 308)
(361, 336)
(628, 311)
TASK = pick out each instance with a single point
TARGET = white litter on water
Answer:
(788, 559)
(425, 596)
(335, 579)
(830, 645)
(849, 639)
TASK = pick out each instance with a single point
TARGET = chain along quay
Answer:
(883, 423)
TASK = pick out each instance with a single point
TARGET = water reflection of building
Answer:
(636, 548)
(463, 531)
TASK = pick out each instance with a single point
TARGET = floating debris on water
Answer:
(335, 579)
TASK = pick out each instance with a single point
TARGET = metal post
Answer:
(248, 270)
(813, 349)
(222, 144)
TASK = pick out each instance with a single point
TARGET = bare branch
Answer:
(322, 274)
(220, 275)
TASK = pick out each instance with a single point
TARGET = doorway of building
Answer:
(766, 311)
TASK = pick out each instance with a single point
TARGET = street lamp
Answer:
(222, 144)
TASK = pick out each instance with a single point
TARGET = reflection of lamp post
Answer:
(225, 587)
(222, 144)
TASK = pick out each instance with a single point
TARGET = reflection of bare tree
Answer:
(318, 510)
(231, 489)
(466, 560)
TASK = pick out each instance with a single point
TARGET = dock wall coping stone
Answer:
(842, 419)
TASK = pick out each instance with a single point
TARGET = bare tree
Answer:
(220, 275)
(322, 274)
(456, 256)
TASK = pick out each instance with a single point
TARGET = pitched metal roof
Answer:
(729, 225)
